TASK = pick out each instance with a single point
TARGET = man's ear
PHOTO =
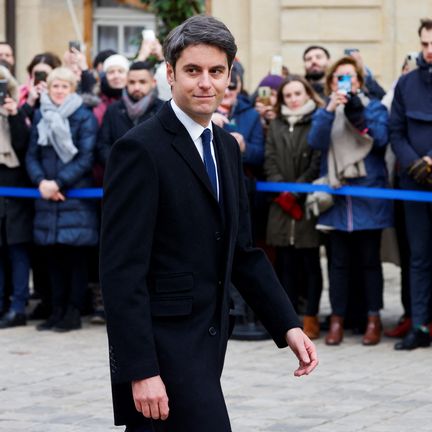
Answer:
(170, 74)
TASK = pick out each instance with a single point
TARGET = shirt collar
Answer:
(194, 129)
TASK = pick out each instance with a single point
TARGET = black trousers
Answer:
(68, 269)
(363, 246)
(297, 267)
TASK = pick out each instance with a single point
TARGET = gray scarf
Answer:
(294, 116)
(348, 149)
(54, 128)
(136, 109)
(8, 156)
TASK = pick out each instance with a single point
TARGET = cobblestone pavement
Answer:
(59, 383)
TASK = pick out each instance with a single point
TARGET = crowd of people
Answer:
(332, 124)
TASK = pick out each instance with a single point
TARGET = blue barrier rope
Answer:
(357, 191)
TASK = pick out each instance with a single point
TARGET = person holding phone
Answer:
(352, 133)
(15, 213)
(38, 69)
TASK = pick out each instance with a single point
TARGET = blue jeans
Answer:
(18, 256)
(418, 217)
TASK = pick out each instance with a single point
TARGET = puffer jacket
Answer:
(245, 120)
(355, 213)
(411, 120)
(72, 222)
(288, 158)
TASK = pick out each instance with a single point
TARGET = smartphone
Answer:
(263, 95)
(148, 35)
(40, 76)
(344, 84)
(74, 44)
(350, 51)
(3, 91)
(276, 65)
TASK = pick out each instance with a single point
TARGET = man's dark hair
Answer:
(142, 65)
(312, 47)
(102, 56)
(199, 29)
(48, 58)
(425, 23)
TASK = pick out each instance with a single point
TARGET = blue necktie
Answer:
(208, 159)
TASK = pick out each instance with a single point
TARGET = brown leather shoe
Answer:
(311, 326)
(335, 334)
(372, 335)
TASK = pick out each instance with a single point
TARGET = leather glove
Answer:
(288, 203)
(421, 171)
(354, 112)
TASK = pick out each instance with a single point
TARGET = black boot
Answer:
(415, 338)
(13, 319)
(55, 317)
(70, 321)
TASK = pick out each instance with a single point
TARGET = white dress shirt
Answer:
(195, 131)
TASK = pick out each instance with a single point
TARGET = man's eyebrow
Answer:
(191, 65)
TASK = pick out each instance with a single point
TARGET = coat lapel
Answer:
(184, 145)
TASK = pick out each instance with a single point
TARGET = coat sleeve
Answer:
(402, 148)
(33, 163)
(82, 163)
(319, 134)
(128, 222)
(19, 133)
(312, 171)
(271, 167)
(376, 116)
(254, 153)
(254, 277)
(104, 140)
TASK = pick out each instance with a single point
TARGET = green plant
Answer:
(171, 13)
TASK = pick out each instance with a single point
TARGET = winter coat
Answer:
(352, 213)
(72, 222)
(116, 123)
(411, 120)
(245, 120)
(288, 158)
(16, 213)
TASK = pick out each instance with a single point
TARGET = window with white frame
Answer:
(119, 28)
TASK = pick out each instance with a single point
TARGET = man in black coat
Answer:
(138, 103)
(175, 234)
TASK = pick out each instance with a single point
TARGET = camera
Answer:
(3, 91)
(40, 76)
(344, 84)
(350, 51)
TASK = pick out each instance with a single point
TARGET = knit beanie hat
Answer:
(272, 81)
(116, 60)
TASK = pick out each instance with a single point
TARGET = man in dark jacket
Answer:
(138, 103)
(175, 234)
(410, 136)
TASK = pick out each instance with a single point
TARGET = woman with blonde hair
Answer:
(60, 157)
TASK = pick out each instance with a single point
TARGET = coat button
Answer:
(212, 331)
(218, 235)
(220, 283)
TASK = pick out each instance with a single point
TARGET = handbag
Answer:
(318, 202)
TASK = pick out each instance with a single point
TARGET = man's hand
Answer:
(304, 349)
(150, 398)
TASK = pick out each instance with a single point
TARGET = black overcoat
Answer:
(169, 251)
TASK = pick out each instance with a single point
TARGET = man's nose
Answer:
(204, 81)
